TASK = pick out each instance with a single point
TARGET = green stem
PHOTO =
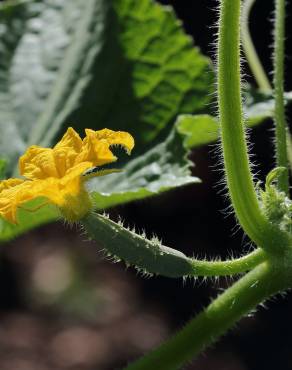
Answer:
(250, 51)
(236, 162)
(216, 319)
(229, 267)
(280, 121)
(152, 257)
(289, 150)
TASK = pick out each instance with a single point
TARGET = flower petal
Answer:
(13, 192)
(66, 151)
(10, 183)
(70, 140)
(121, 138)
(38, 163)
(96, 146)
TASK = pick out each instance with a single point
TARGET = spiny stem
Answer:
(150, 256)
(236, 162)
(250, 51)
(242, 297)
(280, 121)
(229, 267)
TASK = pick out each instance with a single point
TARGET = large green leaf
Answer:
(169, 75)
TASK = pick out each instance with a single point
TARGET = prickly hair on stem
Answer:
(150, 256)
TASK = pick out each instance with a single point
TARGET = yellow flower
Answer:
(57, 173)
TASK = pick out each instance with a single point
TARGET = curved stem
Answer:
(242, 297)
(250, 51)
(280, 121)
(229, 267)
(155, 258)
(236, 162)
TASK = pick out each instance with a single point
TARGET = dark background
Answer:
(104, 315)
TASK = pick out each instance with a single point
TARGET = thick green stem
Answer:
(235, 152)
(216, 319)
(280, 121)
(250, 51)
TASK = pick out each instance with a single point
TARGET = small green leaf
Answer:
(273, 175)
(162, 168)
(203, 129)
(199, 129)
(147, 256)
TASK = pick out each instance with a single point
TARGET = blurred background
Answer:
(64, 306)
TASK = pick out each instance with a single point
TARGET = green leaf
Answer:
(204, 129)
(169, 75)
(162, 168)
(199, 129)
(29, 216)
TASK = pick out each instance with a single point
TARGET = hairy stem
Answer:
(242, 297)
(250, 51)
(280, 121)
(229, 267)
(152, 257)
(236, 162)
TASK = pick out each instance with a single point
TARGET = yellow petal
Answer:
(120, 138)
(96, 146)
(13, 193)
(66, 151)
(70, 140)
(38, 163)
(69, 193)
(10, 183)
